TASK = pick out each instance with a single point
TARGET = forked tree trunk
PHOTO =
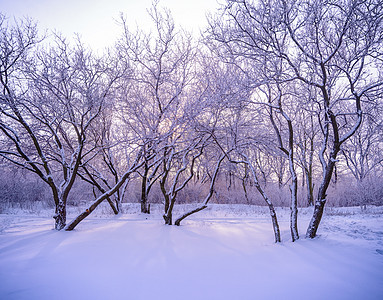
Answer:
(273, 215)
(209, 195)
(168, 217)
(174, 189)
(290, 154)
(328, 168)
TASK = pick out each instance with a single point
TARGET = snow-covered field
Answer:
(224, 252)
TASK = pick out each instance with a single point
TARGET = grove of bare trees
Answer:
(272, 94)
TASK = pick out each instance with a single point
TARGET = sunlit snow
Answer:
(224, 252)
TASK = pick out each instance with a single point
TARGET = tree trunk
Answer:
(309, 175)
(309, 187)
(246, 176)
(209, 195)
(178, 221)
(118, 206)
(277, 233)
(168, 218)
(294, 207)
(89, 210)
(60, 215)
(166, 196)
(144, 194)
(293, 186)
(105, 195)
(115, 208)
(273, 215)
(294, 179)
(321, 198)
(245, 190)
(144, 204)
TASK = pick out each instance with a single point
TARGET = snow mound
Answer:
(226, 252)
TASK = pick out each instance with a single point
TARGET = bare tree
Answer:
(162, 61)
(106, 167)
(48, 104)
(334, 47)
(244, 43)
(277, 107)
(337, 44)
(183, 163)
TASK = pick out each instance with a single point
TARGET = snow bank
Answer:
(224, 253)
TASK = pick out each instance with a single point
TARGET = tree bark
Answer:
(178, 221)
(105, 195)
(115, 208)
(293, 186)
(144, 195)
(273, 215)
(309, 187)
(168, 218)
(321, 198)
(60, 216)
(209, 195)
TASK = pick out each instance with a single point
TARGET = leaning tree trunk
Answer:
(89, 210)
(321, 198)
(93, 206)
(178, 221)
(328, 169)
(105, 195)
(273, 215)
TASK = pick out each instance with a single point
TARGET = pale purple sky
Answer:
(95, 20)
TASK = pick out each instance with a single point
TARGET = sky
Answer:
(96, 21)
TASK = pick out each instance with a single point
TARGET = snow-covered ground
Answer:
(224, 252)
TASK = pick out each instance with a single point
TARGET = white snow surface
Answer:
(224, 252)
